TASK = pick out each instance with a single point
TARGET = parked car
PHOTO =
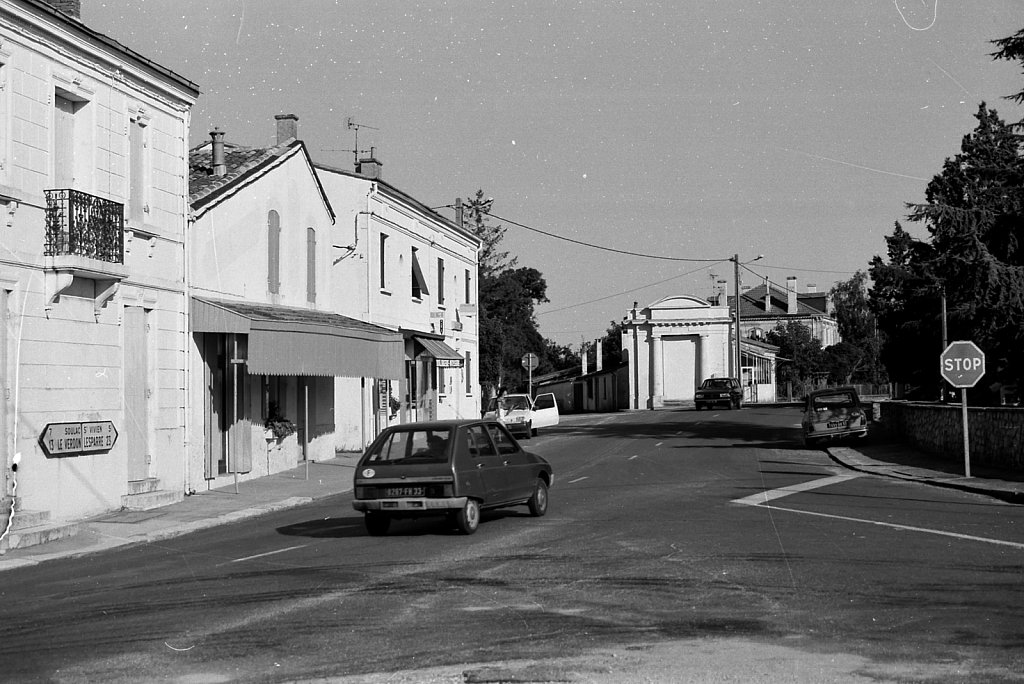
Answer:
(452, 468)
(522, 415)
(719, 391)
(834, 413)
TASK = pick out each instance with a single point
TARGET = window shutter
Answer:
(273, 252)
(310, 265)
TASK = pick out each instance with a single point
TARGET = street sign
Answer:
(962, 364)
(530, 361)
(78, 438)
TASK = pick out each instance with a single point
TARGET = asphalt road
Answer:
(679, 546)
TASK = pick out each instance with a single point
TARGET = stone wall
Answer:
(996, 434)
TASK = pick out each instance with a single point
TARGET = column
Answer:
(704, 349)
(657, 372)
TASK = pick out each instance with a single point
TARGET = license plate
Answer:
(836, 424)
(403, 491)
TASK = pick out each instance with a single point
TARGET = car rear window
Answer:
(411, 446)
(835, 401)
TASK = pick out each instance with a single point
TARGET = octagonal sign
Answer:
(962, 364)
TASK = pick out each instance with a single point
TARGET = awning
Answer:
(289, 341)
(446, 356)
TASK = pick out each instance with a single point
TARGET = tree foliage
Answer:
(858, 357)
(507, 297)
(800, 354)
(973, 258)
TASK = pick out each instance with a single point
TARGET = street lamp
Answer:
(737, 359)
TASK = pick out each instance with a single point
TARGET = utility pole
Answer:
(736, 371)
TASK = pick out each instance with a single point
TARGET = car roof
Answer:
(833, 390)
(438, 424)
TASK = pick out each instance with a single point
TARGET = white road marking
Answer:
(908, 528)
(579, 479)
(269, 553)
(634, 456)
(764, 497)
(659, 444)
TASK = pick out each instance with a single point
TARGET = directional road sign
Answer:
(962, 364)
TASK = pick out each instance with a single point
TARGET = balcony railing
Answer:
(80, 224)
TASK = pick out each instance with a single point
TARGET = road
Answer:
(679, 546)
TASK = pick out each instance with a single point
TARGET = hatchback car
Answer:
(451, 468)
(719, 391)
(834, 413)
(522, 415)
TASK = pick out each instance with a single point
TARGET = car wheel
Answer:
(468, 518)
(533, 430)
(696, 407)
(530, 432)
(810, 442)
(539, 501)
(377, 524)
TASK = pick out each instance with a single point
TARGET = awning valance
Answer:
(446, 356)
(289, 341)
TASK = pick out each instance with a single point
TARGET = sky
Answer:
(631, 148)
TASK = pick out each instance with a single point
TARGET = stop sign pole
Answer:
(530, 361)
(962, 365)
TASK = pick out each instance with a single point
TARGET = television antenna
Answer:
(352, 125)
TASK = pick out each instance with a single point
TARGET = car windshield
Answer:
(716, 383)
(511, 404)
(834, 401)
(411, 446)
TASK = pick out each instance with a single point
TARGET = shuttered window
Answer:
(440, 282)
(136, 172)
(310, 265)
(273, 252)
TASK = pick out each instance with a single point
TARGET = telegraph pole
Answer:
(736, 315)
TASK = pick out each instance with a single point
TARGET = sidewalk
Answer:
(286, 489)
(904, 462)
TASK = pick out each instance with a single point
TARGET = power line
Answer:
(606, 249)
(635, 289)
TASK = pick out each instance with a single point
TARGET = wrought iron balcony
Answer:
(80, 224)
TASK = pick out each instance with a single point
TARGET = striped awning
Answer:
(288, 341)
(445, 356)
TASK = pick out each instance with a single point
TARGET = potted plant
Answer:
(276, 426)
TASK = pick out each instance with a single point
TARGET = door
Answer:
(489, 481)
(137, 392)
(545, 411)
(516, 478)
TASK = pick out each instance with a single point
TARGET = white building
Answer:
(400, 265)
(672, 346)
(93, 149)
(269, 343)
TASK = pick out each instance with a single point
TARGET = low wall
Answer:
(996, 435)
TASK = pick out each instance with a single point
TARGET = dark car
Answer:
(719, 392)
(454, 468)
(834, 413)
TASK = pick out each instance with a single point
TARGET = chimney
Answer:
(720, 294)
(72, 8)
(811, 287)
(287, 127)
(583, 358)
(767, 296)
(369, 167)
(220, 168)
(459, 215)
(791, 307)
(599, 362)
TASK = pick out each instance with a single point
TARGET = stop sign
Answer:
(962, 364)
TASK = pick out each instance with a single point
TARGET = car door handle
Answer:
(504, 462)
(479, 465)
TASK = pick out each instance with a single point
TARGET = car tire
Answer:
(696, 407)
(467, 520)
(530, 432)
(533, 430)
(538, 503)
(377, 524)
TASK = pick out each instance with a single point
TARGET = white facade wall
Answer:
(380, 292)
(64, 359)
(229, 260)
(672, 346)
